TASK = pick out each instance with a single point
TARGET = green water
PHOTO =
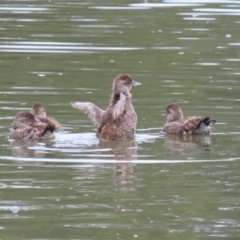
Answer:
(75, 187)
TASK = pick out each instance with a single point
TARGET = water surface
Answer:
(76, 187)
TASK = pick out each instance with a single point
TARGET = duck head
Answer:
(173, 113)
(123, 83)
(38, 110)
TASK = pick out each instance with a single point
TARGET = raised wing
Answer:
(118, 108)
(93, 112)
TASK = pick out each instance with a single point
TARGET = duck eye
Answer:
(129, 81)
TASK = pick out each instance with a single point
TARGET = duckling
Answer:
(28, 127)
(178, 124)
(39, 111)
(119, 120)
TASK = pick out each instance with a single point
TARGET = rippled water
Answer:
(76, 187)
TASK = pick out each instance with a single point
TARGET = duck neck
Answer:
(175, 118)
(179, 118)
(115, 97)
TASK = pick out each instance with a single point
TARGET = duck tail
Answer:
(205, 122)
(49, 128)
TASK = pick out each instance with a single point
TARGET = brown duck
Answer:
(178, 124)
(119, 120)
(39, 111)
(28, 127)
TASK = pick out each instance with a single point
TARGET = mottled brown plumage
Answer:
(28, 127)
(177, 124)
(119, 120)
(39, 111)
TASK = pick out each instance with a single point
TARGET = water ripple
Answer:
(147, 161)
(203, 1)
(163, 5)
(47, 47)
(32, 9)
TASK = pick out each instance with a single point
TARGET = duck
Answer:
(28, 127)
(178, 124)
(39, 111)
(119, 120)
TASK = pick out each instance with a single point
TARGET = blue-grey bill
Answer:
(135, 83)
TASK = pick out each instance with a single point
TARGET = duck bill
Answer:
(164, 115)
(135, 83)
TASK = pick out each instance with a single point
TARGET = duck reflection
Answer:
(21, 148)
(123, 172)
(177, 143)
(119, 150)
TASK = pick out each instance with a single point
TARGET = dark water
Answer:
(75, 187)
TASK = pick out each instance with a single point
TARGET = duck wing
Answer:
(118, 107)
(94, 112)
(29, 136)
(196, 123)
(111, 114)
(191, 123)
(51, 123)
(22, 133)
(56, 124)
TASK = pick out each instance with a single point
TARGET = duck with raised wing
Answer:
(28, 127)
(119, 120)
(39, 111)
(178, 124)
